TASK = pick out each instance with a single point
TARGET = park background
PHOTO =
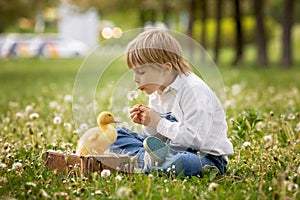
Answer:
(256, 46)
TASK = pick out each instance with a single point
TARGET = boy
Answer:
(184, 122)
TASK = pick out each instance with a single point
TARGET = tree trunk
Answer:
(203, 22)
(218, 28)
(262, 57)
(239, 34)
(286, 37)
(190, 28)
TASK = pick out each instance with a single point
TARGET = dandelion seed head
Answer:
(123, 192)
(53, 104)
(118, 178)
(105, 173)
(3, 165)
(20, 115)
(213, 186)
(132, 95)
(34, 116)
(28, 109)
(291, 116)
(268, 138)
(68, 98)
(246, 144)
(83, 127)
(16, 166)
(57, 120)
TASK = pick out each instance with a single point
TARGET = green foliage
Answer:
(228, 30)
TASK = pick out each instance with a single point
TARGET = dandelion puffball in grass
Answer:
(132, 95)
(57, 120)
(105, 173)
(34, 116)
(16, 166)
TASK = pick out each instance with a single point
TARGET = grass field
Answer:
(263, 113)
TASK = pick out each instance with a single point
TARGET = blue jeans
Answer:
(186, 162)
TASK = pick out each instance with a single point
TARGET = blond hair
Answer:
(156, 47)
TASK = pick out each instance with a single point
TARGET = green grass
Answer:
(262, 107)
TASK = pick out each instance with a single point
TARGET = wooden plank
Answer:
(61, 161)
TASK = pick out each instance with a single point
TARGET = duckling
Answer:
(96, 140)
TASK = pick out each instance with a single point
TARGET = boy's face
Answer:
(148, 79)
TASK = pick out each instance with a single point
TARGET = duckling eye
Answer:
(109, 115)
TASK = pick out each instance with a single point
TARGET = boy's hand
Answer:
(135, 114)
(148, 116)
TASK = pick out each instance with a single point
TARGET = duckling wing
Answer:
(93, 141)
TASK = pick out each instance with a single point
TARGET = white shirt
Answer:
(200, 121)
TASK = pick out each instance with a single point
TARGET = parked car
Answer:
(60, 47)
(48, 46)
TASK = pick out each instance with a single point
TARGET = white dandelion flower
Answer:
(292, 187)
(83, 126)
(123, 192)
(68, 98)
(53, 104)
(268, 138)
(31, 184)
(28, 108)
(34, 115)
(105, 173)
(213, 186)
(16, 166)
(98, 192)
(2, 165)
(68, 126)
(118, 178)
(291, 116)
(19, 115)
(57, 120)
(246, 144)
(132, 95)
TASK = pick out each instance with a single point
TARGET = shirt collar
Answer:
(175, 85)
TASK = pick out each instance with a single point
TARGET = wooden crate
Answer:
(62, 161)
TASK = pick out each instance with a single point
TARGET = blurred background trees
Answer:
(216, 25)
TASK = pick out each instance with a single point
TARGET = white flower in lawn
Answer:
(246, 144)
(268, 138)
(132, 95)
(53, 104)
(118, 178)
(28, 108)
(297, 127)
(105, 173)
(236, 89)
(123, 192)
(57, 120)
(291, 116)
(292, 187)
(34, 115)
(16, 166)
(2, 165)
(98, 192)
(19, 115)
(213, 186)
(31, 184)
(68, 126)
(83, 127)
(68, 98)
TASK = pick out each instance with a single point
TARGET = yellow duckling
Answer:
(96, 140)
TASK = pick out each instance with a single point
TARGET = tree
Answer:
(219, 5)
(261, 41)
(239, 34)
(203, 38)
(287, 22)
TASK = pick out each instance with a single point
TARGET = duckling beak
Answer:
(116, 121)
